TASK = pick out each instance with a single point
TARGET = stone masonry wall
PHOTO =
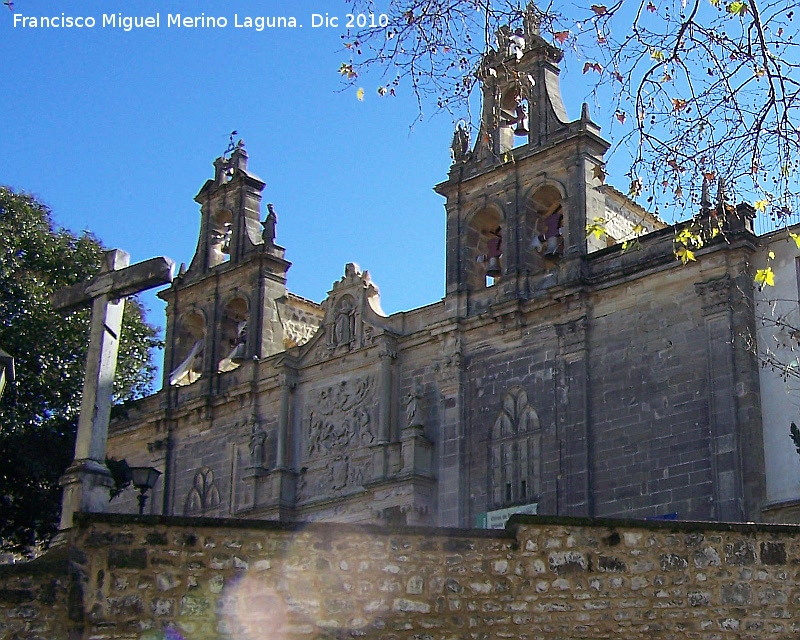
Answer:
(175, 578)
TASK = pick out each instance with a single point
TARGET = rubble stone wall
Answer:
(177, 578)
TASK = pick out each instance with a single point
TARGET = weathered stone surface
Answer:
(127, 558)
(332, 581)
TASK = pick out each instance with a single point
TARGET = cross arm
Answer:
(119, 284)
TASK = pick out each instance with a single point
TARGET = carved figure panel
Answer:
(352, 302)
(515, 451)
(339, 425)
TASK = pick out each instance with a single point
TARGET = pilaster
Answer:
(574, 495)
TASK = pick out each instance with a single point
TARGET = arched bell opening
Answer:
(484, 250)
(219, 237)
(233, 335)
(188, 349)
(513, 125)
(545, 222)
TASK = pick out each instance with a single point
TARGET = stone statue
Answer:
(413, 412)
(270, 225)
(257, 442)
(460, 145)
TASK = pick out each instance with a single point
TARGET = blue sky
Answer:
(116, 131)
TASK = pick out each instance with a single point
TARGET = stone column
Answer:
(382, 451)
(387, 356)
(287, 386)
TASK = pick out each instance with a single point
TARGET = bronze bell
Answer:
(521, 118)
(238, 355)
(493, 269)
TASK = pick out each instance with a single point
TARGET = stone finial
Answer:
(502, 37)
(585, 116)
(238, 157)
(531, 21)
(722, 196)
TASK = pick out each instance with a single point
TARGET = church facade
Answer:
(560, 374)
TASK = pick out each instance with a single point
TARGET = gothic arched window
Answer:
(515, 452)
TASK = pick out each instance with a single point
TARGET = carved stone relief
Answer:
(339, 426)
(353, 298)
(204, 494)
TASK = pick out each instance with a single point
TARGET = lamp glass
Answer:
(144, 477)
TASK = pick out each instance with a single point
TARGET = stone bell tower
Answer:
(225, 309)
(518, 198)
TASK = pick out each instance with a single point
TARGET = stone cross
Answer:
(87, 479)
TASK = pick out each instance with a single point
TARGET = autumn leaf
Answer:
(600, 9)
(617, 76)
(685, 255)
(761, 205)
(360, 94)
(599, 173)
(709, 175)
(651, 7)
(673, 164)
(765, 277)
(687, 237)
(737, 8)
(596, 228)
(594, 66)
(771, 255)
(620, 115)
(347, 70)
(635, 187)
(657, 55)
(678, 104)
(796, 238)
(561, 36)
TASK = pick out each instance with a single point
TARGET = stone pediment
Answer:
(352, 317)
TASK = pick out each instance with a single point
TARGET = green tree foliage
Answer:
(38, 413)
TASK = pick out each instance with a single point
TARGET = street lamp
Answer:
(143, 478)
